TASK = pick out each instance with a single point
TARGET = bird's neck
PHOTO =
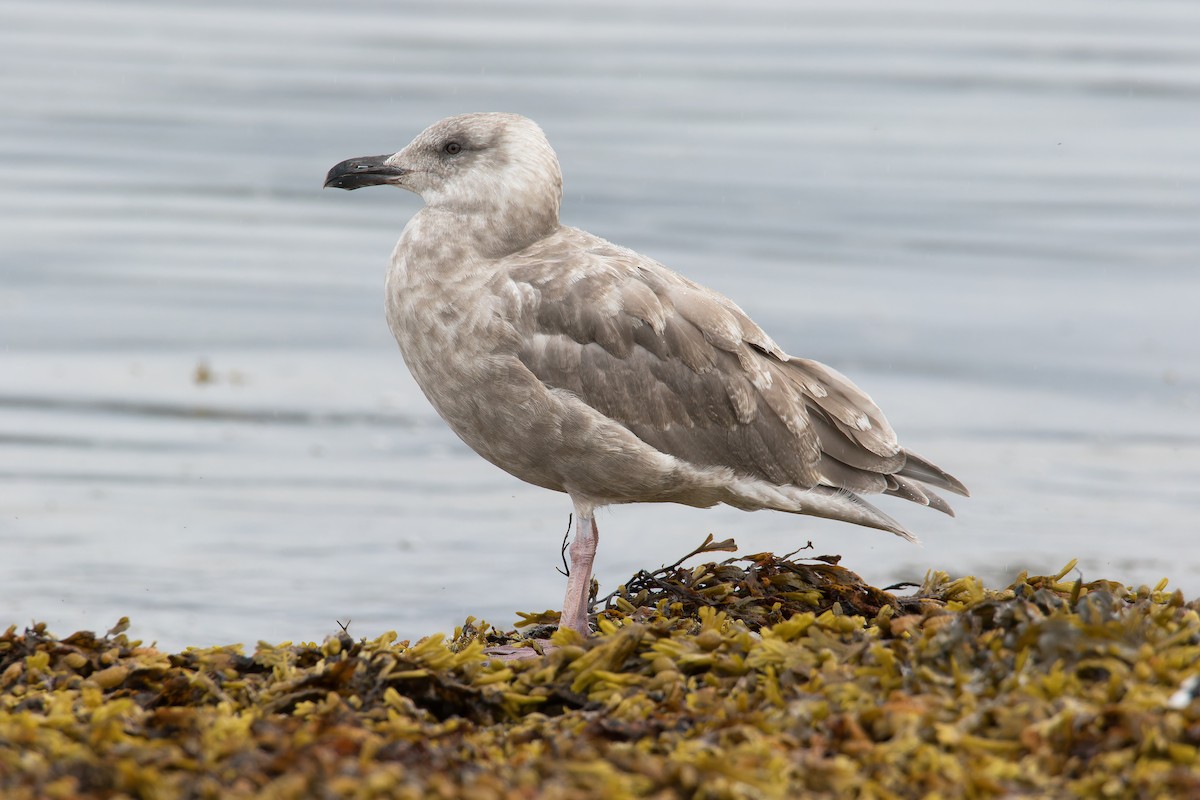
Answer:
(491, 233)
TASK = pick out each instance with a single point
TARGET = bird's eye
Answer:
(453, 148)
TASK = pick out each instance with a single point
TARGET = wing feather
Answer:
(687, 371)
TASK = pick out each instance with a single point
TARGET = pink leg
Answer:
(579, 583)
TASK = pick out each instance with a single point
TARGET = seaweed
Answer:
(752, 677)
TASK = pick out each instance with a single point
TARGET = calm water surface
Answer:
(987, 214)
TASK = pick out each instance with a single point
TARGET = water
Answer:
(987, 215)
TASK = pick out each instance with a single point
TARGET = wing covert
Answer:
(690, 374)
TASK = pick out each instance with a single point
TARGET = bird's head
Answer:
(492, 164)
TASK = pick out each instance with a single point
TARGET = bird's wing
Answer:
(689, 373)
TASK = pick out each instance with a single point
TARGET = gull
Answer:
(587, 368)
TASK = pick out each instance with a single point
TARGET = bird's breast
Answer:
(455, 332)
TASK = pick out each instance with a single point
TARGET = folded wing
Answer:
(689, 373)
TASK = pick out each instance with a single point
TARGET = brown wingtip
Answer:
(927, 472)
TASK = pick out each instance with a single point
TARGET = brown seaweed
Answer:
(751, 677)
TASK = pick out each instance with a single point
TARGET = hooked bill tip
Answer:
(355, 173)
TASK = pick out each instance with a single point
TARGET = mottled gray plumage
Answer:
(584, 367)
